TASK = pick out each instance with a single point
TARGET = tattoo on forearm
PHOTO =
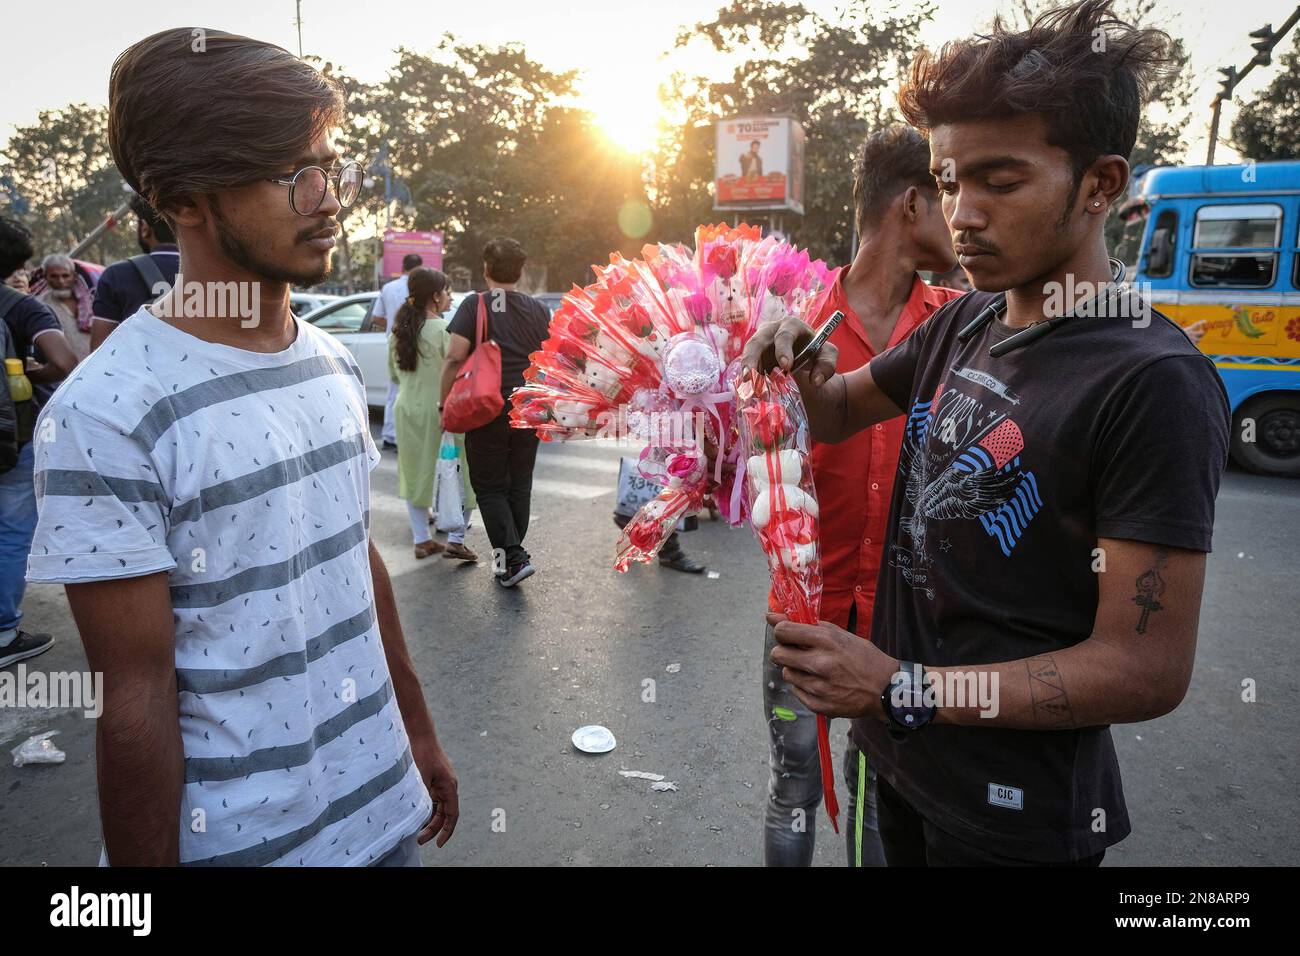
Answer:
(1150, 585)
(1047, 694)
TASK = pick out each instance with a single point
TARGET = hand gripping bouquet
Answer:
(649, 351)
(783, 513)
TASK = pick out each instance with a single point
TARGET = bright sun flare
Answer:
(630, 120)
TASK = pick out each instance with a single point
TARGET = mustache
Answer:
(330, 229)
(965, 239)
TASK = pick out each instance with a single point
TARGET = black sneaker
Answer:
(389, 446)
(680, 562)
(24, 646)
(516, 573)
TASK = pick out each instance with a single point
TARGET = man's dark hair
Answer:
(505, 260)
(411, 261)
(891, 159)
(194, 112)
(1080, 67)
(161, 228)
(15, 247)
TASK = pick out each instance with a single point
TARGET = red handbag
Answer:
(475, 397)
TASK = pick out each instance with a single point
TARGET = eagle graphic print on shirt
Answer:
(963, 459)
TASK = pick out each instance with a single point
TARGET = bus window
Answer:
(1160, 255)
(1236, 228)
(1295, 272)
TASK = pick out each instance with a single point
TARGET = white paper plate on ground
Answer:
(594, 739)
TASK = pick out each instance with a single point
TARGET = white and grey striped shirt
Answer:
(246, 477)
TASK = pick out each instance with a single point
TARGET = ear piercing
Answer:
(1096, 202)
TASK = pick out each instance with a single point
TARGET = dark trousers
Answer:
(501, 461)
(911, 840)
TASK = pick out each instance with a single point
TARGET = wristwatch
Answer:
(904, 701)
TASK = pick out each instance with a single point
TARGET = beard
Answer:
(61, 293)
(243, 253)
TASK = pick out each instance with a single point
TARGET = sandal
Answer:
(458, 551)
(427, 548)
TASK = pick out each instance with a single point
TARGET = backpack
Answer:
(152, 276)
(9, 440)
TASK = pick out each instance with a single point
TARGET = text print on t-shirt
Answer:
(961, 459)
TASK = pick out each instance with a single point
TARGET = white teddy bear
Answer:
(572, 414)
(787, 466)
(602, 378)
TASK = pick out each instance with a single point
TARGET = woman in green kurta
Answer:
(416, 350)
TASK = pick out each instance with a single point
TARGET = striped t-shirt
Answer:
(246, 478)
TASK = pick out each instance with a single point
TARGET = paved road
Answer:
(510, 674)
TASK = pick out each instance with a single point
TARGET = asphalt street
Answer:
(510, 674)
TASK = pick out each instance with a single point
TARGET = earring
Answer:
(1096, 202)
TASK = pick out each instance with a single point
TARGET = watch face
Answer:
(907, 706)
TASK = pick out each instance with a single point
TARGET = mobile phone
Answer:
(809, 351)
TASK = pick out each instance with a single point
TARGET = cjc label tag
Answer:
(1013, 798)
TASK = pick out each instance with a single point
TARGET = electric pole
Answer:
(297, 4)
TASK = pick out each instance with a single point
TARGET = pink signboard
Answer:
(427, 245)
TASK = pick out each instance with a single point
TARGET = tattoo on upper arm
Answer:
(1047, 694)
(1150, 585)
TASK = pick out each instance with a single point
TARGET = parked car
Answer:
(349, 318)
(300, 303)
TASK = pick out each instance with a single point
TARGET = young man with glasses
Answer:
(1060, 460)
(204, 490)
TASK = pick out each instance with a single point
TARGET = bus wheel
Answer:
(1275, 449)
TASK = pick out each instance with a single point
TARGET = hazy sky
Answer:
(66, 49)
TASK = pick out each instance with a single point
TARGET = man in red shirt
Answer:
(901, 230)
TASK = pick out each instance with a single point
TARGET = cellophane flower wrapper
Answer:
(783, 511)
(650, 351)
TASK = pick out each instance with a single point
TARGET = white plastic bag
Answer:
(449, 502)
(38, 749)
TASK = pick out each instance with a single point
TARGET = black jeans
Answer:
(911, 840)
(501, 461)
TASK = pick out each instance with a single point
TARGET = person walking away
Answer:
(392, 297)
(416, 352)
(501, 458)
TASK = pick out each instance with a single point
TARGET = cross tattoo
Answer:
(1150, 586)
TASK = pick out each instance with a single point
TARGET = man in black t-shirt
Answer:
(501, 458)
(125, 286)
(1055, 494)
(33, 331)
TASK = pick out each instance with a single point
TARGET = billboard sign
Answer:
(759, 163)
(427, 245)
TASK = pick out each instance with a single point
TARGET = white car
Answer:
(349, 319)
(300, 303)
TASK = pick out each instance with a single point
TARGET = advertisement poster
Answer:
(759, 163)
(427, 245)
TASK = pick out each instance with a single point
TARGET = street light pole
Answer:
(297, 6)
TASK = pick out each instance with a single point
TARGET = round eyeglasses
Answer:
(308, 185)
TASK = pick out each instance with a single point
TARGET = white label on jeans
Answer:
(1013, 798)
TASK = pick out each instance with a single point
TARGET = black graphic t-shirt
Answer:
(1011, 468)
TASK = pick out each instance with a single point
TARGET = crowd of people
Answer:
(205, 477)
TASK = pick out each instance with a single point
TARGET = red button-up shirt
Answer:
(855, 478)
